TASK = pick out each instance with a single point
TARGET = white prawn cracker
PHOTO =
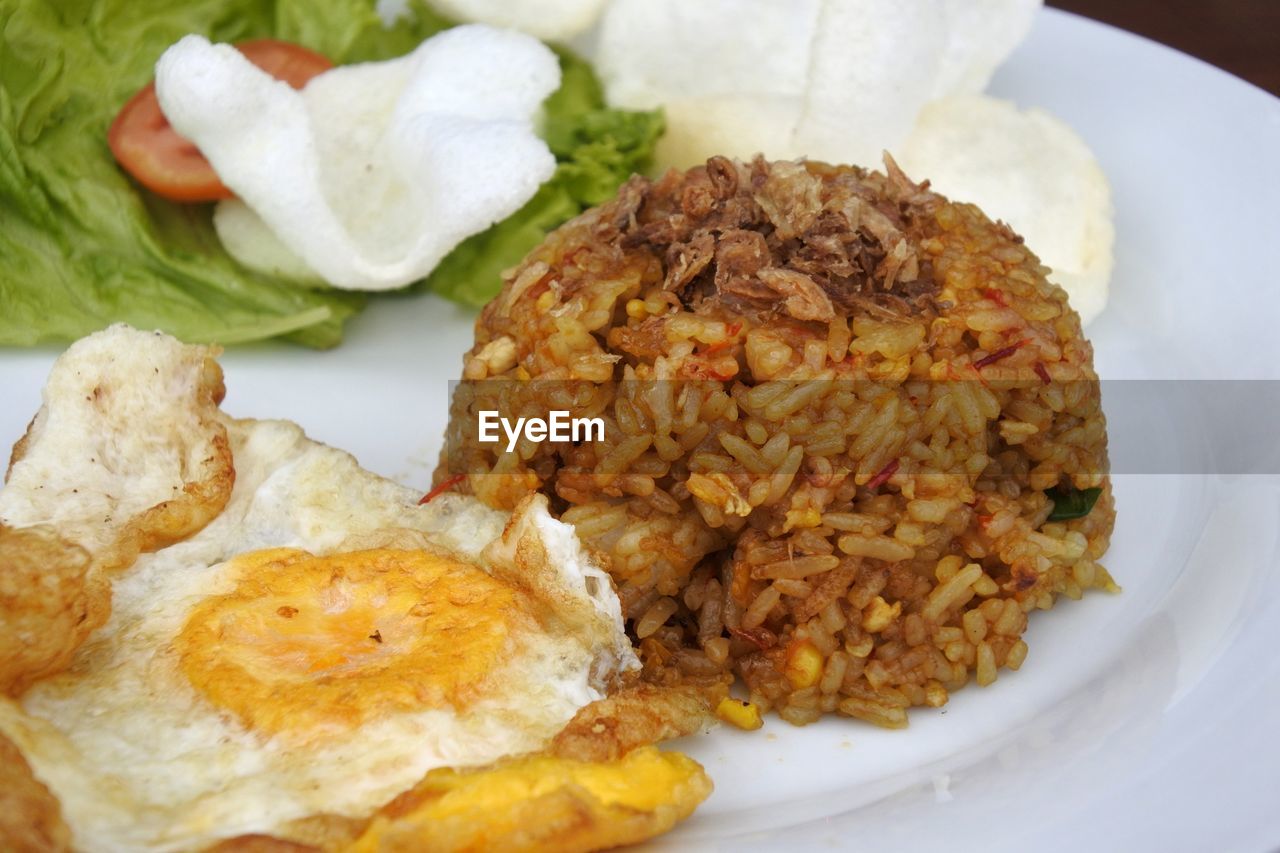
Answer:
(556, 20)
(980, 36)
(1030, 170)
(729, 74)
(874, 65)
(837, 80)
(372, 173)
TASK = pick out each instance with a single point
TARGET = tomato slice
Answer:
(292, 63)
(171, 166)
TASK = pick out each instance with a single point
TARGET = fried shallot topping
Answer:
(800, 239)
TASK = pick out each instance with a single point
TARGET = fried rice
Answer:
(840, 415)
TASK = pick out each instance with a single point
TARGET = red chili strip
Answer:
(1042, 372)
(995, 296)
(762, 638)
(883, 477)
(1004, 352)
(442, 488)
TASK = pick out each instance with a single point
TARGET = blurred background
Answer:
(1239, 36)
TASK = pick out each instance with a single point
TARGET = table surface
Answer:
(1239, 36)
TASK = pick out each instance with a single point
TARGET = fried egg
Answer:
(315, 649)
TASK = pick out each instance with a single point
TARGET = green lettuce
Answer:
(81, 245)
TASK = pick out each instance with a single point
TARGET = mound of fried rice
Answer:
(838, 410)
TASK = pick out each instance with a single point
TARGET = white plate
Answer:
(1141, 721)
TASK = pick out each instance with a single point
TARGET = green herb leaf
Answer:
(1071, 503)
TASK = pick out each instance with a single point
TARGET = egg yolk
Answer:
(308, 644)
(541, 802)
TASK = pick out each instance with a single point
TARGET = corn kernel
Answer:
(807, 517)
(1103, 580)
(636, 309)
(546, 301)
(880, 615)
(744, 715)
(804, 664)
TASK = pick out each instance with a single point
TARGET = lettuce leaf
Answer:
(596, 149)
(82, 246)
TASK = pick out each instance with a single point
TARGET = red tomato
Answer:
(152, 152)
